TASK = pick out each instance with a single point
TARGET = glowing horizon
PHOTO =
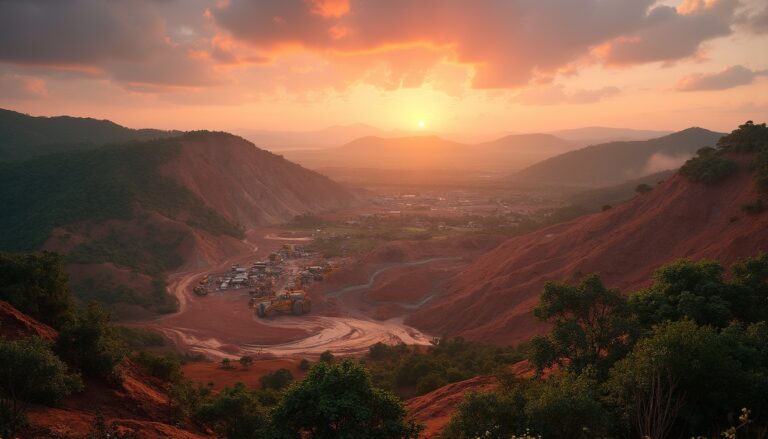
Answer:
(462, 67)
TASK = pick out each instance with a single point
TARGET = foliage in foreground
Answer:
(680, 358)
(30, 373)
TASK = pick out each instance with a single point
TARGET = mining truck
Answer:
(294, 302)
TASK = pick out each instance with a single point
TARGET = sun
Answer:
(421, 124)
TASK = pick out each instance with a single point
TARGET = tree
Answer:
(37, 285)
(235, 413)
(277, 379)
(91, 343)
(642, 188)
(566, 406)
(687, 289)
(590, 325)
(30, 373)
(686, 379)
(338, 401)
(326, 357)
(246, 361)
(226, 363)
(479, 414)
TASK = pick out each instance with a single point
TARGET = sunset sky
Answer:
(470, 66)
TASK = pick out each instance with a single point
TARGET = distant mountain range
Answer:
(432, 152)
(616, 162)
(338, 135)
(23, 136)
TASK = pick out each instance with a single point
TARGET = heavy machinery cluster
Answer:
(274, 284)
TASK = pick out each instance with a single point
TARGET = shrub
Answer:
(277, 379)
(754, 208)
(165, 368)
(642, 188)
(30, 373)
(246, 361)
(235, 413)
(709, 167)
(226, 363)
(326, 357)
(91, 343)
(304, 364)
(338, 400)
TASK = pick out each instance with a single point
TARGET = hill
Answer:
(432, 152)
(23, 136)
(616, 162)
(136, 402)
(595, 135)
(493, 298)
(127, 214)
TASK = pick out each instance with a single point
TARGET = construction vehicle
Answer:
(294, 302)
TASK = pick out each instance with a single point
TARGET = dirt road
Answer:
(221, 325)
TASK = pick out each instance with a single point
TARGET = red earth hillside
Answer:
(251, 186)
(138, 403)
(493, 298)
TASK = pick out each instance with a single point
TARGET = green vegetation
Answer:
(643, 188)
(588, 321)
(91, 343)
(25, 136)
(338, 400)
(709, 167)
(37, 285)
(163, 367)
(680, 358)
(235, 413)
(102, 184)
(30, 373)
(409, 371)
(277, 379)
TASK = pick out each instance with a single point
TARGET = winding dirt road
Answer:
(221, 325)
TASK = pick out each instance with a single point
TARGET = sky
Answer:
(468, 66)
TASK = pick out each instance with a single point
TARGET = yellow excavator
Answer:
(294, 302)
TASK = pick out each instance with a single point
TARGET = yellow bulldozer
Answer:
(294, 302)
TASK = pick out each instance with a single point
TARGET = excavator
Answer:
(294, 302)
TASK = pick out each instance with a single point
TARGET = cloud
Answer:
(557, 95)
(733, 76)
(16, 86)
(129, 42)
(507, 43)
(755, 20)
(670, 34)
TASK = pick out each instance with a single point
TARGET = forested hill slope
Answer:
(23, 136)
(616, 162)
(126, 214)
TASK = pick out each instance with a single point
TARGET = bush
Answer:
(304, 364)
(642, 188)
(754, 208)
(226, 363)
(246, 361)
(37, 285)
(338, 400)
(165, 368)
(91, 343)
(235, 413)
(277, 379)
(30, 373)
(326, 357)
(708, 167)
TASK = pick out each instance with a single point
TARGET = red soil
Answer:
(492, 300)
(205, 373)
(14, 325)
(138, 403)
(435, 408)
(251, 186)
